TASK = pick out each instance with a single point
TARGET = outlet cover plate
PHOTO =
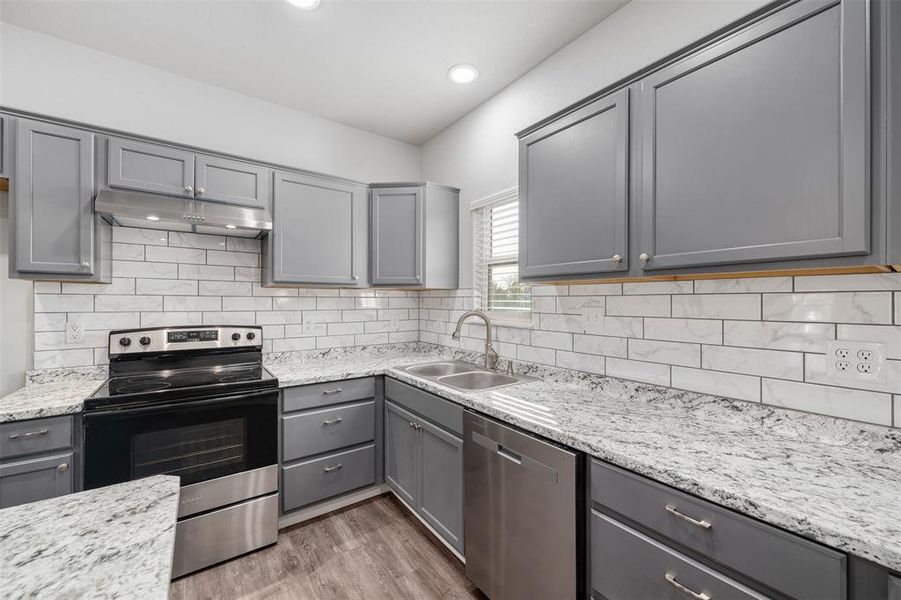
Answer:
(844, 362)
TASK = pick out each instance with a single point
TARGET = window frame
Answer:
(482, 262)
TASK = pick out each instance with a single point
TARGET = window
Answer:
(496, 257)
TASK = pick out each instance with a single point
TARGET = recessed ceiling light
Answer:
(305, 4)
(231, 226)
(152, 218)
(463, 73)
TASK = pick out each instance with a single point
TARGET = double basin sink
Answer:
(465, 376)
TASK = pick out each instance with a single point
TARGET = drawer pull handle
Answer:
(333, 391)
(334, 468)
(63, 467)
(29, 434)
(672, 579)
(702, 524)
(332, 421)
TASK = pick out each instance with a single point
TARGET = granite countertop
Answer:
(830, 480)
(834, 481)
(112, 542)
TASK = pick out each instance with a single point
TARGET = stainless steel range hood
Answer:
(152, 211)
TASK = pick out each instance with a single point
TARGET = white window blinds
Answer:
(496, 255)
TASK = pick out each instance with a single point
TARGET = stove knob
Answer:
(251, 335)
(125, 342)
(236, 336)
(145, 341)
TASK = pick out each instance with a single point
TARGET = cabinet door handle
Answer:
(332, 421)
(702, 524)
(334, 468)
(200, 189)
(63, 467)
(333, 391)
(617, 258)
(29, 434)
(189, 189)
(85, 264)
(644, 258)
(672, 579)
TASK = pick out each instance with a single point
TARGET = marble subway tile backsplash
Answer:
(171, 278)
(754, 339)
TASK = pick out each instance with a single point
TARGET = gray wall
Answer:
(16, 338)
(478, 153)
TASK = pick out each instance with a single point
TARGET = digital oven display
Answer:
(206, 335)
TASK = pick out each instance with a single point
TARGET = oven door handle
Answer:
(155, 408)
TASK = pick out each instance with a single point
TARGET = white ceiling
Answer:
(371, 64)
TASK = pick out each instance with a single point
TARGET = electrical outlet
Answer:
(73, 332)
(851, 360)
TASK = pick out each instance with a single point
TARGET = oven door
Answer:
(197, 440)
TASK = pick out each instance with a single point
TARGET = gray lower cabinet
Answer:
(331, 441)
(220, 179)
(647, 539)
(756, 149)
(414, 235)
(424, 467)
(37, 478)
(402, 453)
(894, 588)
(55, 232)
(37, 459)
(319, 232)
(573, 192)
(149, 167)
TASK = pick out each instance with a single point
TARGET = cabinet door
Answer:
(35, 479)
(756, 148)
(231, 181)
(402, 455)
(441, 495)
(150, 168)
(5, 152)
(319, 231)
(52, 199)
(397, 229)
(573, 192)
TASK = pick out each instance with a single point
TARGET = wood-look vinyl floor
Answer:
(373, 549)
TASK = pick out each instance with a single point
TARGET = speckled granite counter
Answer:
(833, 481)
(46, 400)
(112, 542)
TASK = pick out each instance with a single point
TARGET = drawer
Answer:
(320, 478)
(36, 435)
(438, 410)
(626, 565)
(333, 392)
(759, 551)
(317, 431)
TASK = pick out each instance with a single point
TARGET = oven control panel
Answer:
(173, 339)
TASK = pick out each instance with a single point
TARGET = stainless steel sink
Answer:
(478, 380)
(465, 376)
(440, 369)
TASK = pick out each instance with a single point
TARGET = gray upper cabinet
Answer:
(232, 181)
(150, 167)
(402, 455)
(414, 235)
(573, 192)
(319, 232)
(756, 148)
(441, 498)
(6, 124)
(397, 227)
(51, 202)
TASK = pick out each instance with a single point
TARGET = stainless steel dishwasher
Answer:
(523, 513)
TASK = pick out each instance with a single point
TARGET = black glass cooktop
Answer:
(174, 384)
